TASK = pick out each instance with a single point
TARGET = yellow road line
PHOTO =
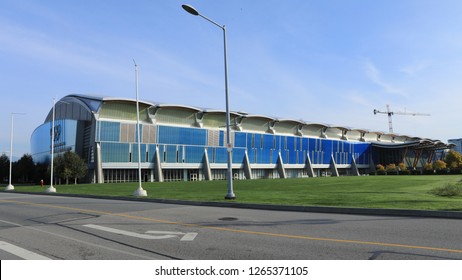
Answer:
(303, 237)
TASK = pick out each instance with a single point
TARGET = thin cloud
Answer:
(375, 76)
(415, 68)
(18, 40)
(358, 99)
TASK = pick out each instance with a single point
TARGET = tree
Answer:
(453, 159)
(76, 165)
(69, 165)
(58, 167)
(42, 172)
(4, 167)
(25, 169)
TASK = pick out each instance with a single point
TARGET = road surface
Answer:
(71, 228)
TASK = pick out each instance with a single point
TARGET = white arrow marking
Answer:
(20, 252)
(165, 234)
(128, 233)
(189, 236)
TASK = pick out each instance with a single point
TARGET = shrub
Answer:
(391, 169)
(380, 170)
(439, 164)
(405, 172)
(428, 166)
(449, 190)
(428, 169)
(442, 171)
(416, 172)
(380, 167)
(455, 171)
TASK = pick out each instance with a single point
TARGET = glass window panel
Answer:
(115, 152)
(182, 135)
(240, 139)
(135, 152)
(109, 131)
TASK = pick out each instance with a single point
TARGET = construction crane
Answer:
(390, 113)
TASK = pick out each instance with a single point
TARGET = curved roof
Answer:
(298, 122)
(340, 127)
(217, 111)
(416, 143)
(176, 106)
(316, 124)
(93, 103)
(259, 117)
(360, 130)
(66, 105)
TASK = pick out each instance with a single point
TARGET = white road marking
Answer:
(189, 236)
(77, 240)
(20, 252)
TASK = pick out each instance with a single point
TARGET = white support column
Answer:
(206, 166)
(309, 166)
(354, 167)
(99, 164)
(247, 168)
(158, 166)
(280, 166)
(333, 166)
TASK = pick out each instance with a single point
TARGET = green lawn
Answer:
(396, 192)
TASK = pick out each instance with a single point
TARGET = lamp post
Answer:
(10, 186)
(51, 188)
(230, 194)
(140, 191)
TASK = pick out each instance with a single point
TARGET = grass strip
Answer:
(391, 192)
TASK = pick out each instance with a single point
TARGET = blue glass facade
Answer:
(182, 135)
(108, 132)
(65, 135)
(187, 145)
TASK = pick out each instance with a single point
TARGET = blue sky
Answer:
(322, 61)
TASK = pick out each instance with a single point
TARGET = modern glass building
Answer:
(456, 144)
(186, 143)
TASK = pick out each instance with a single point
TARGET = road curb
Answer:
(294, 208)
(322, 209)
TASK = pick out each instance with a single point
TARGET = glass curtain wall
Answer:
(187, 145)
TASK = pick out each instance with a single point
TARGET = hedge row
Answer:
(444, 171)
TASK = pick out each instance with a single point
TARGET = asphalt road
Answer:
(56, 227)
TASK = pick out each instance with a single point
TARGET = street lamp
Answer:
(52, 189)
(10, 187)
(230, 194)
(140, 191)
